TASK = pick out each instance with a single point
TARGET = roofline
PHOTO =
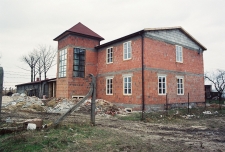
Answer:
(34, 82)
(152, 29)
(67, 32)
(120, 39)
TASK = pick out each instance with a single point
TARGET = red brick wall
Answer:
(194, 85)
(117, 69)
(118, 96)
(159, 57)
(71, 86)
(118, 62)
(162, 55)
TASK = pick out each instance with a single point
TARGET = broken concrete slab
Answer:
(37, 122)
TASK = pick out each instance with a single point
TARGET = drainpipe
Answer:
(43, 88)
(142, 74)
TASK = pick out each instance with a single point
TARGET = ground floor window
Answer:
(109, 86)
(161, 85)
(180, 86)
(127, 82)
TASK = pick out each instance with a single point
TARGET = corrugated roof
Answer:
(79, 29)
(34, 82)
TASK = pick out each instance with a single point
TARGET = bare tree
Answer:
(47, 58)
(217, 78)
(40, 61)
(31, 60)
(39, 65)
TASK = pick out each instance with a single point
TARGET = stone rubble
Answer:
(59, 105)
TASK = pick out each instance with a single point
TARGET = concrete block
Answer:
(38, 122)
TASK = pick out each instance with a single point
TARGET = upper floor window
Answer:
(127, 50)
(62, 63)
(161, 85)
(109, 86)
(179, 53)
(109, 55)
(180, 86)
(79, 62)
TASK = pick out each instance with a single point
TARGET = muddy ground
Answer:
(206, 134)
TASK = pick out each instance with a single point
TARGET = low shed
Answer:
(38, 88)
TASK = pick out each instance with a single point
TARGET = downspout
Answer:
(142, 74)
(43, 88)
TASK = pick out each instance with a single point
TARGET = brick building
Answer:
(149, 67)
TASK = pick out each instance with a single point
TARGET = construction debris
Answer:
(207, 112)
(21, 102)
(38, 123)
(31, 126)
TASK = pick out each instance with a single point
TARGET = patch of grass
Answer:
(136, 116)
(69, 137)
(215, 101)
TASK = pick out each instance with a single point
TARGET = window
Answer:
(79, 62)
(109, 86)
(127, 85)
(109, 55)
(62, 63)
(180, 86)
(127, 50)
(162, 85)
(179, 53)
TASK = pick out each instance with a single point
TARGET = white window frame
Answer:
(109, 86)
(127, 49)
(161, 86)
(109, 55)
(179, 53)
(62, 63)
(126, 83)
(180, 85)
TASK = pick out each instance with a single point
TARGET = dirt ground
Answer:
(206, 134)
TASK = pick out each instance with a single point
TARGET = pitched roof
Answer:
(151, 29)
(79, 29)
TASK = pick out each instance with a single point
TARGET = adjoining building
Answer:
(38, 88)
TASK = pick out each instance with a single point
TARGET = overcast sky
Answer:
(25, 24)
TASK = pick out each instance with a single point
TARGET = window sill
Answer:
(161, 94)
(127, 94)
(61, 77)
(178, 62)
(127, 59)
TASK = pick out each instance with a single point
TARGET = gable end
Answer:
(174, 36)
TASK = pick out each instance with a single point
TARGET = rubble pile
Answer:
(62, 106)
(22, 102)
(58, 105)
(102, 107)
